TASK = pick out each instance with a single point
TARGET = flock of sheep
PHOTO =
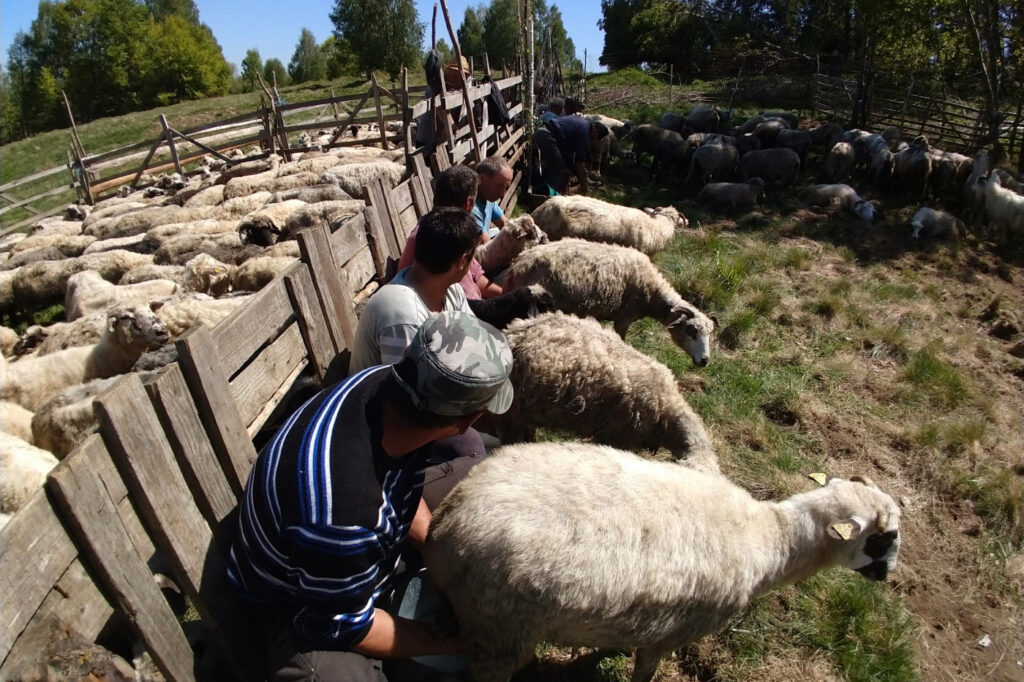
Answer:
(731, 172)
(568, 542)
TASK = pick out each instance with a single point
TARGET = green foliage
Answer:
(309, 62)
(339, 56)
(161, 9)
(252, 64)
(383, 34)
(274, 72)
(185, 63)
(447, 54)
(500, 29)
(938, 380)
(471, 32)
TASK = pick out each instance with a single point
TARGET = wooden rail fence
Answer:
(156, 490)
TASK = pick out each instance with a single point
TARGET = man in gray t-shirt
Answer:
(445, 244)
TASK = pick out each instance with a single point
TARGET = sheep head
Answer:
(858, 522)
(691, 331)
(864, 210)
(137, 329)
(30, 339)
(679, 221)
(207, 274)
(260, 230)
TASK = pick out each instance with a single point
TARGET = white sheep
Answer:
(240, 206)
(160, 235)
(354, 177)
(183, 311)
(256, 273)
(518, 235)
(88, 294)
(265, 224)
(313, 194)
(584, 545)
(227, 247)
(39, 340)
(42, 284)
(32, 381)
(23, 470)
(17, 421)
(64, 421)
(587, 218)
(8, 339)
(144, 273)
(838, 197)
(70, 244)
(840, 162)
(208, 196)
(929, 222)
(574, 375)
(1004, 208)
(610, 282)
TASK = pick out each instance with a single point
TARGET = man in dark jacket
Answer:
(564, 146)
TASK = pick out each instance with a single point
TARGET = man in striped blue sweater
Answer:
(334, 498)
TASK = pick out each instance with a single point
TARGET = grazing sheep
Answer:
(17, 421)
(354, 177)
(713, 162)
(585, 545)
(23, 470)
(826, 135)
(518, 235)
(777, 166)
(949, 170)
(311, 195)
(500, 311)
(32, 381)
(87, 294)
(733, 196)
(1004, 208)
(670, 155)
(183, 311)
(256, 273)
(41, 284)
(912, 168)
(647, 230)
(703, 119)
(839, 163)
(791, 119)
(873, 152)
(838, 197)
(621, 129)
(648, 138)
(768, 131)
(610, 282)
(574, 375)
(64, 421)
(931, 223)
(797, 140)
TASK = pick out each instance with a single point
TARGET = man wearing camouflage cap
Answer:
(335, 495)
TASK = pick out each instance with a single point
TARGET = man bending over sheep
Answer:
(335, 498)
(564, 146)
(456, 186)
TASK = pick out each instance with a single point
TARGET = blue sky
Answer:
(273, 27)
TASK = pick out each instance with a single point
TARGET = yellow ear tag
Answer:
(818, 477)
(843, 529)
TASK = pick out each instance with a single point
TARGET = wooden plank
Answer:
(30, 200)
(212, 396)
(348, 238)
(75, 604)
(315, 247)
(376, 241)
(516, 110)
(421, 171)
(29, 178)
(309, 315)
(507, 145)
(138, 446)
(407, 220)
(241, 334)
(359, 270)
(34, 551)
(98, 528)
(461, 151)
(421, 203)
(401, 196)
(377, 197)
(262, 377)
(187, 437)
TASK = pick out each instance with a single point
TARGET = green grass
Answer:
(939, 381)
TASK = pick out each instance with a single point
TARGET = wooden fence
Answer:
(948, 123)
(156, 490)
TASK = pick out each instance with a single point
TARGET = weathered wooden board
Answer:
(359, 270)
(315, 247)
(147, 463)
(240, 335)
(215, 403)
(95, 521)
(378, 195)
(310, 317)
(377, 242)
(265, 374)
(348, 238)
(195, 454)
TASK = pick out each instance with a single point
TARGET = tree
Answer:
(252, 64)
(340, 60)
(621, 46)
(500, 30)
(471, 32)
(274, 72)
(383, 34)
(550, 22)
(186, 9)
(309, 62)
(185, 62)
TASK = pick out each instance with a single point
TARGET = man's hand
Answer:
(391, 637)
(420, 524)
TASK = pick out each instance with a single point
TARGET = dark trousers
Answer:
(554, 170)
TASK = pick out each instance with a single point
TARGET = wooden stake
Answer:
(380, 113)
(477, 148)
(169, 136)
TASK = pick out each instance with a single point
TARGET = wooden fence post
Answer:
(380, 112)
(169, 136)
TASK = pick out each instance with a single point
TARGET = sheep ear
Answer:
(156, 305)
(649, 211)
(714, 318)
(846, 529)
(683, 311)
(865, 480)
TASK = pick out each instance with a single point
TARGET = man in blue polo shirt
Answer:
(335, 498)
(495, 179)
(564, 146)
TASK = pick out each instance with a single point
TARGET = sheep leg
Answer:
(621, 327)
(646, 664)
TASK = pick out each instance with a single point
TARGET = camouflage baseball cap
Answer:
(457, 365)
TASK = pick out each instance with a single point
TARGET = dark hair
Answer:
(491, 166)
(455, 185)
(399, 398)
(446, 234)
